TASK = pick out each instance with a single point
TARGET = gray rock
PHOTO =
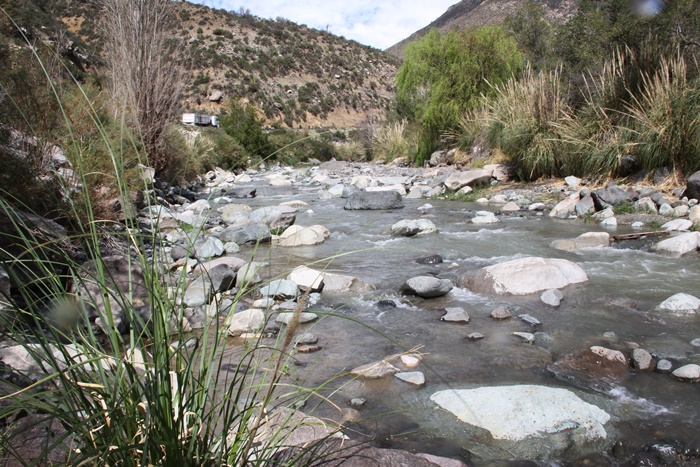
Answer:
(280, 289)
(199, 292)
(357, 401)
(417, 378)
(511, 207)
(585, 206)
(247, 321)
(642, 360)
(690, 373)
(665, 209)
(531, 421)
(695, 342)
(692, 188)
(609, 222)
(427, 287)
(572, 181)
(565, 207)
(177, 253)
(681, 303)
(4, 285)
(305, 339)
(377, 200)
(531, 320)
(339, 284)
(645, 204)
(612, 195)
(677, 225)
(677, 246)
(250, 232)
(527, 337)
(502, 312)
(552, 297)
(694, 214)
(470, 178)
(681, 211)
(409, 228)
(248, 274)
(307, 278)
(434, 259)
(375, 370)
(592, 240)
(297, 235)
(304, 317)
(664, 366)
(475, 336)
(484, 218)
(456, 315)
(210, 248)
(525, 276)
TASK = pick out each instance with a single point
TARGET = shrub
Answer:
(393, 140)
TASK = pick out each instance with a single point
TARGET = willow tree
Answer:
(143, 77)
(444, 76)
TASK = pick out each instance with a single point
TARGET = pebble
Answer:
(552, 297)
(531, 320)
(695, 342)
(637, 225)
(641, 360)
(410, 361)
(306, 339)
(664, 366)
(357, 401)
(309, 348)
(475, 336)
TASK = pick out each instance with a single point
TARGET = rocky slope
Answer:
(296, 75)
(472, 13)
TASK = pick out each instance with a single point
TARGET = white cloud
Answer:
(379, 23)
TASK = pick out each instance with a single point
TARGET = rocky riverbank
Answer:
(250, 241)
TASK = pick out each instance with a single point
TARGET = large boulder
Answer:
(231, 213)
(249, 232)
(529, 421)
(427, 287)
(274, 216)
(692, 188)
(376, 200)
(409, 228)
(677, 246)
(340, 284)
(469, 178)
(566, 207)
(244, 322)
(612, 195)
(307, 278)
(280, 289)
(680, 303)
(525, 276)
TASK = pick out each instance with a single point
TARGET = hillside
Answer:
(297, 76)
(472, 13)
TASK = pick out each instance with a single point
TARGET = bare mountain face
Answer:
(297, 76)
(474, 13)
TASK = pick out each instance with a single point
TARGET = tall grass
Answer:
(523, 120)
(393, 140)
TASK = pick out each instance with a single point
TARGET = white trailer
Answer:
(200, 120)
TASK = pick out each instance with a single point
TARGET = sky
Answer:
(379, 23)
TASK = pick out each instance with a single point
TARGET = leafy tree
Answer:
(443, 76)
(244, 126)
(534, 34)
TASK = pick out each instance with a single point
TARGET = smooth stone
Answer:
(592, 240)
(427, 287)
(637, 225)
(416, 378)
(528, 412)
(531, 320)
(679, 245)
(475, 336)
(410, 361)
(525, 276)
(485, 219)
(681, 303)
(511, 207)
(609, 354)
(664, 366)
(375, 370)
(645, 204)
(456, 315)
(572, 181)
(552, 297)
(340, 284)
(357, 401)
(695, 342)
(243, 322)
(690, 373)
(681, 211)
(409, 228)
(502, 312)
(665, 209)
(677, 224)
(311, 348)
(694, 214)
(641, 360)
(210, 248)
(609, 222)
(304, 317)
(198, 293)
(280, 289)
(525, 336)
(471, 178)
(565, 207)
(307, 278)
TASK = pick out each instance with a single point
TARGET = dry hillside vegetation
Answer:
(297, 76)
(475, 13)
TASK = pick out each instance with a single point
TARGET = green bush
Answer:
(444, 76)
(243, 125)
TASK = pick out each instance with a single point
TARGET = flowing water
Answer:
(625, 284)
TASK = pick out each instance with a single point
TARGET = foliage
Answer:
(243, 125)
(393, 140)
(444, 76)
(533, 33)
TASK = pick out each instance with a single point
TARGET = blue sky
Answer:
(379, 23)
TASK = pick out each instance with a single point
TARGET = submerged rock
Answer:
(532, 421)
(375, 370)
(680, 303)
(416, 378)
(409, 228)
(456, 315)
(591, 370)
(525, 276)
